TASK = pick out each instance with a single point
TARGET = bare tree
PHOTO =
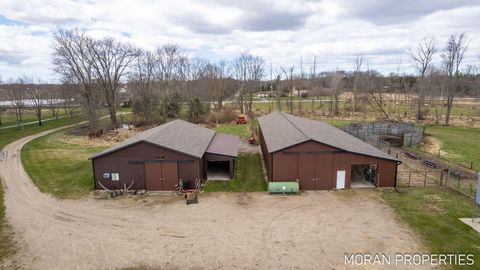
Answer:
(142, 84)
(452, 57)
(17, 95)
(73, 62)
(336, 86)
(422, 57)
(217, 74)
(356, 80)
(288, 72)
(249, 70)
(36, 96)
(110, 59)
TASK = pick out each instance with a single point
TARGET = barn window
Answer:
(115, 176)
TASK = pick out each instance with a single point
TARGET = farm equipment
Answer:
(242, 119)
(119, 192)
(191, 195)
(430, 163)
(411, 155)
(456, 174)
(252, 140)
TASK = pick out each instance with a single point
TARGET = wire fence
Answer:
(416, 178)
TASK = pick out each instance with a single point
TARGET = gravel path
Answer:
(223, 231)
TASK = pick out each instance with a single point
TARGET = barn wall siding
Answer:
(267, 158)
(128, 162)
(296, 162)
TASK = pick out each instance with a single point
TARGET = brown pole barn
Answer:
(321, 156)
(158, 158)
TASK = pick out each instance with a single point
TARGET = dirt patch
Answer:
(106, 139)
(245, 148)
(432, 145)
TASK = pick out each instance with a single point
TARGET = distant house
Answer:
(158, 158)
(320, 156)
(265, 94)
(302, 92)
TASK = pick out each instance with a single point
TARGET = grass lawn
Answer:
(9, 135)
(9, 118)
(242, 131)
(460, 144)
(248, 177)
(58, 164)
(433, 213)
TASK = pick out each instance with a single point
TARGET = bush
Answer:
(227, 115)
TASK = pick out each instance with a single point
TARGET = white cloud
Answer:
(281, 31)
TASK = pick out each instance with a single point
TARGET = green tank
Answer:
(283, 188)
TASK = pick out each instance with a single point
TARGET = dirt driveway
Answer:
(224, 231)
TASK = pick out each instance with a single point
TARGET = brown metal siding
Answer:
(267, 158)
(128, 162)
(296, 162)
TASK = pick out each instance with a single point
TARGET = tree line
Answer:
(95, 72)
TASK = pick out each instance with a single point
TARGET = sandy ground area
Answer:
(223, 231)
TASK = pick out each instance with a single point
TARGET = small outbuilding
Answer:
(320, 156)
(158, 158)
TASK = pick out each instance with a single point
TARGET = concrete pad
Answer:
(475, 225)
(361, 184)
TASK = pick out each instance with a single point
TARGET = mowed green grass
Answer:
(433, 213)
(59, 165)
(9, 118)
(249, 176)
(242, 131)
(460, 144)
(11, 134)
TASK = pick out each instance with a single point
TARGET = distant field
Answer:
(461, 145)
(9, 118)
(12, 134)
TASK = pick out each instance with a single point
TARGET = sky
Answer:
(283, 32)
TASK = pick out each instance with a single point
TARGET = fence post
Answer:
(441, 178)
(471, 165)
(448, 177)
(409, 177)
(425, 181)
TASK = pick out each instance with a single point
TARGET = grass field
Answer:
(8, 117)
(239, 130)
(460, 145)
(433, 213)
(58, 164)
(248, 177)
(9, 135)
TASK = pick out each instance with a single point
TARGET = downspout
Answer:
(94, 175)
(396, 172)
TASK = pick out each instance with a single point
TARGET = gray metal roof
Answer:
(281, 130)
(224, 144)
(177, 135)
